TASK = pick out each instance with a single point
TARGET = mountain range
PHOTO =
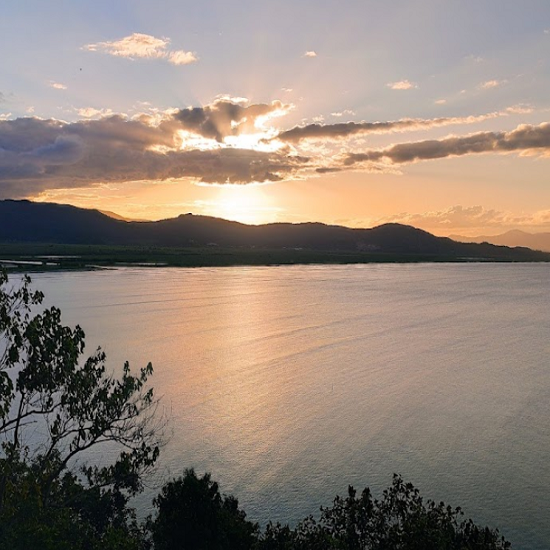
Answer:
(535, 241)
(23, 221)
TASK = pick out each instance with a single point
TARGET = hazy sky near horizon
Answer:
(434, 113)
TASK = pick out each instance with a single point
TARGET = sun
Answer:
(243, 203)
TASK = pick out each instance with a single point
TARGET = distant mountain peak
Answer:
(512, 238)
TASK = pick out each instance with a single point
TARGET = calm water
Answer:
(289, 383)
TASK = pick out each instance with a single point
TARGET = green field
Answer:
(50, 257)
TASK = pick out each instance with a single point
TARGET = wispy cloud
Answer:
(488, 84)
(466, 218)
(91, 112)
(347, 129)
(521, 109)
(401, 85)
(143, 46)
(456, 217)
(57, 85)
(474, 58)
(310, 53)
(524, 138)
(343, 113)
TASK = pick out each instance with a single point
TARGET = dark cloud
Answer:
(40, 154)
(225, 118)
(327, 170)
(523, 138)
(346, 129)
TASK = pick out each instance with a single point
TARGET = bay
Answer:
(289, 383)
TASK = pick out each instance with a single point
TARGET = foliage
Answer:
(54, 407)
(399, 521)
(192, 514)
(76, 517)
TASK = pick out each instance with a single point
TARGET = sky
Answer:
(433, 113)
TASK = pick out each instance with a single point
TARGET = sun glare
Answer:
(255, 142)
(189, 140)
(258, 141)
(245, 204)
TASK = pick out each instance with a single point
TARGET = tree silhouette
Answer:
(193, 515)
(55, 406)
(400, 520)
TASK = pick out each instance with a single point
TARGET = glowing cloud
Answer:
(219, 143)
(91, 112)
(225, 118)
(468, 217)
(310, 53)
(57, 85)
(181, 57)
(339, 114)
(490, 84)
(401, 85)
(455, 217)
(143, 46)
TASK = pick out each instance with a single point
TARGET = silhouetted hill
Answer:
(28, 222)
(535, 241)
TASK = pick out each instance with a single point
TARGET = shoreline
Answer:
(27, 257)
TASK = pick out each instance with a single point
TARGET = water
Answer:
(289, 383)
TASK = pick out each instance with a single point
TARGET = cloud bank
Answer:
(228, 141)
(37, 154)
(143, 46)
